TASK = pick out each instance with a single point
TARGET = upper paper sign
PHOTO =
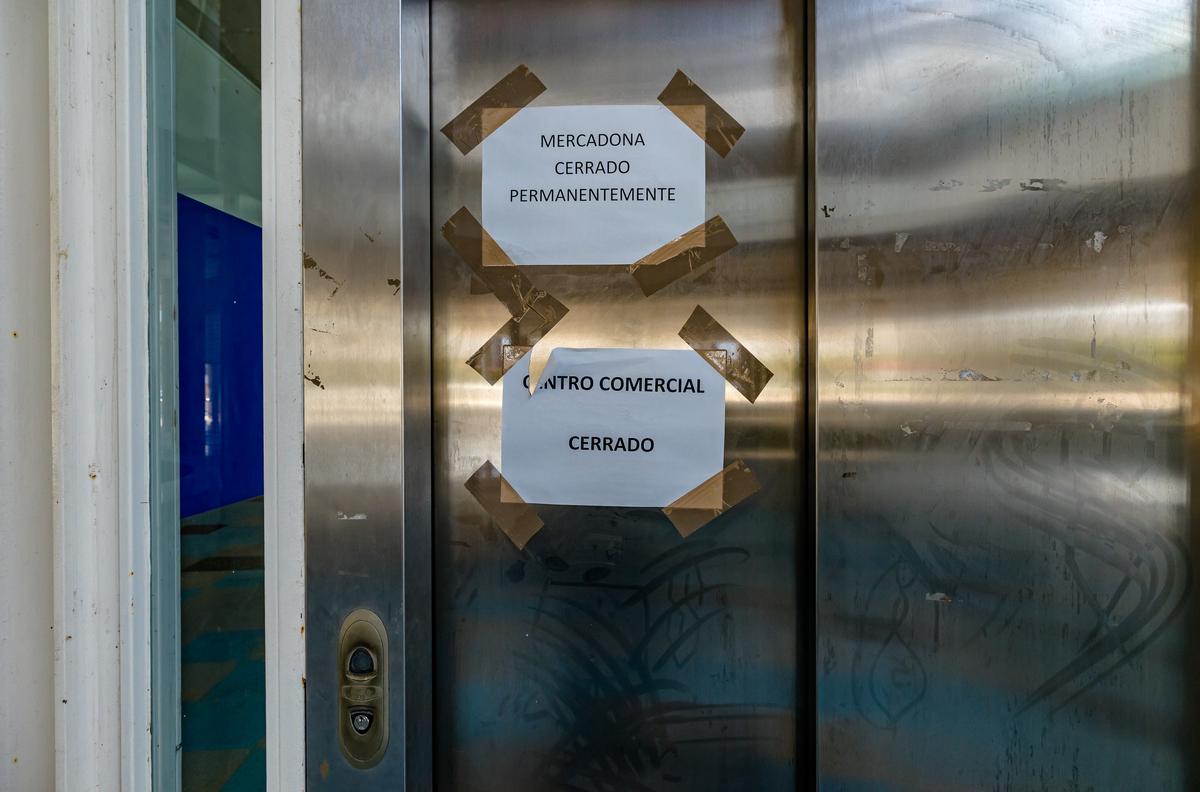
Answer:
(598, 184)
(613, 427)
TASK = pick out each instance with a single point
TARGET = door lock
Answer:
(363, 688)
(361, 719)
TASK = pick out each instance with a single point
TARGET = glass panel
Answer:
(219, 276)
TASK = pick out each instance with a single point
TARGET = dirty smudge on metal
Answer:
(1005, 584)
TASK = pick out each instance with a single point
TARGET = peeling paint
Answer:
(1043, 185)
(1097, 241)
(1108, 417)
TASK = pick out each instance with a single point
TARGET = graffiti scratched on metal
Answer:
(609, 652)
(1004, 234)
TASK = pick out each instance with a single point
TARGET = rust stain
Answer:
(325, 770)
(310, 263)
(1042, 185)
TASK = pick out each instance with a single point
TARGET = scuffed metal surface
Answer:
(1004, 568)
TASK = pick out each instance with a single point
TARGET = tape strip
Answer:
(517, 520)
(715, 126)
(683, 255)
(498, 104)
(725, 354)
(489, 263)
(518, 335)
(729, 487)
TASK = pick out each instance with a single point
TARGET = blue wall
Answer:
(220, 351)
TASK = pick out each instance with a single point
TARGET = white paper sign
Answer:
(612, 427)
(600, 184)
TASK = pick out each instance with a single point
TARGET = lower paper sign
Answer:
(613, 427)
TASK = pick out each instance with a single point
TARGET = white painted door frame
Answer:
(99, 394)
(101, 314)
(283, 394)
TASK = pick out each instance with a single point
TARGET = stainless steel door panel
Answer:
(611, 653)
(1005, 224)
(366, 411)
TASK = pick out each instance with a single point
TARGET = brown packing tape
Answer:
(516, 519)
(534, 311)
(498, 104)
(729, 487)
(719, 129)
(518, 335)
(683, 255)
(488, 262)
(725, 354)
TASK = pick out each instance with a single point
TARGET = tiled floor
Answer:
(223, 673)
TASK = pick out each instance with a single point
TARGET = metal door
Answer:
(1005, 218)
(610, 652)
(1002, 214)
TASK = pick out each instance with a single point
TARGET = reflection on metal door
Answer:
(1006, 228)
(609, 651)
(569, 646)
(1003, 206)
